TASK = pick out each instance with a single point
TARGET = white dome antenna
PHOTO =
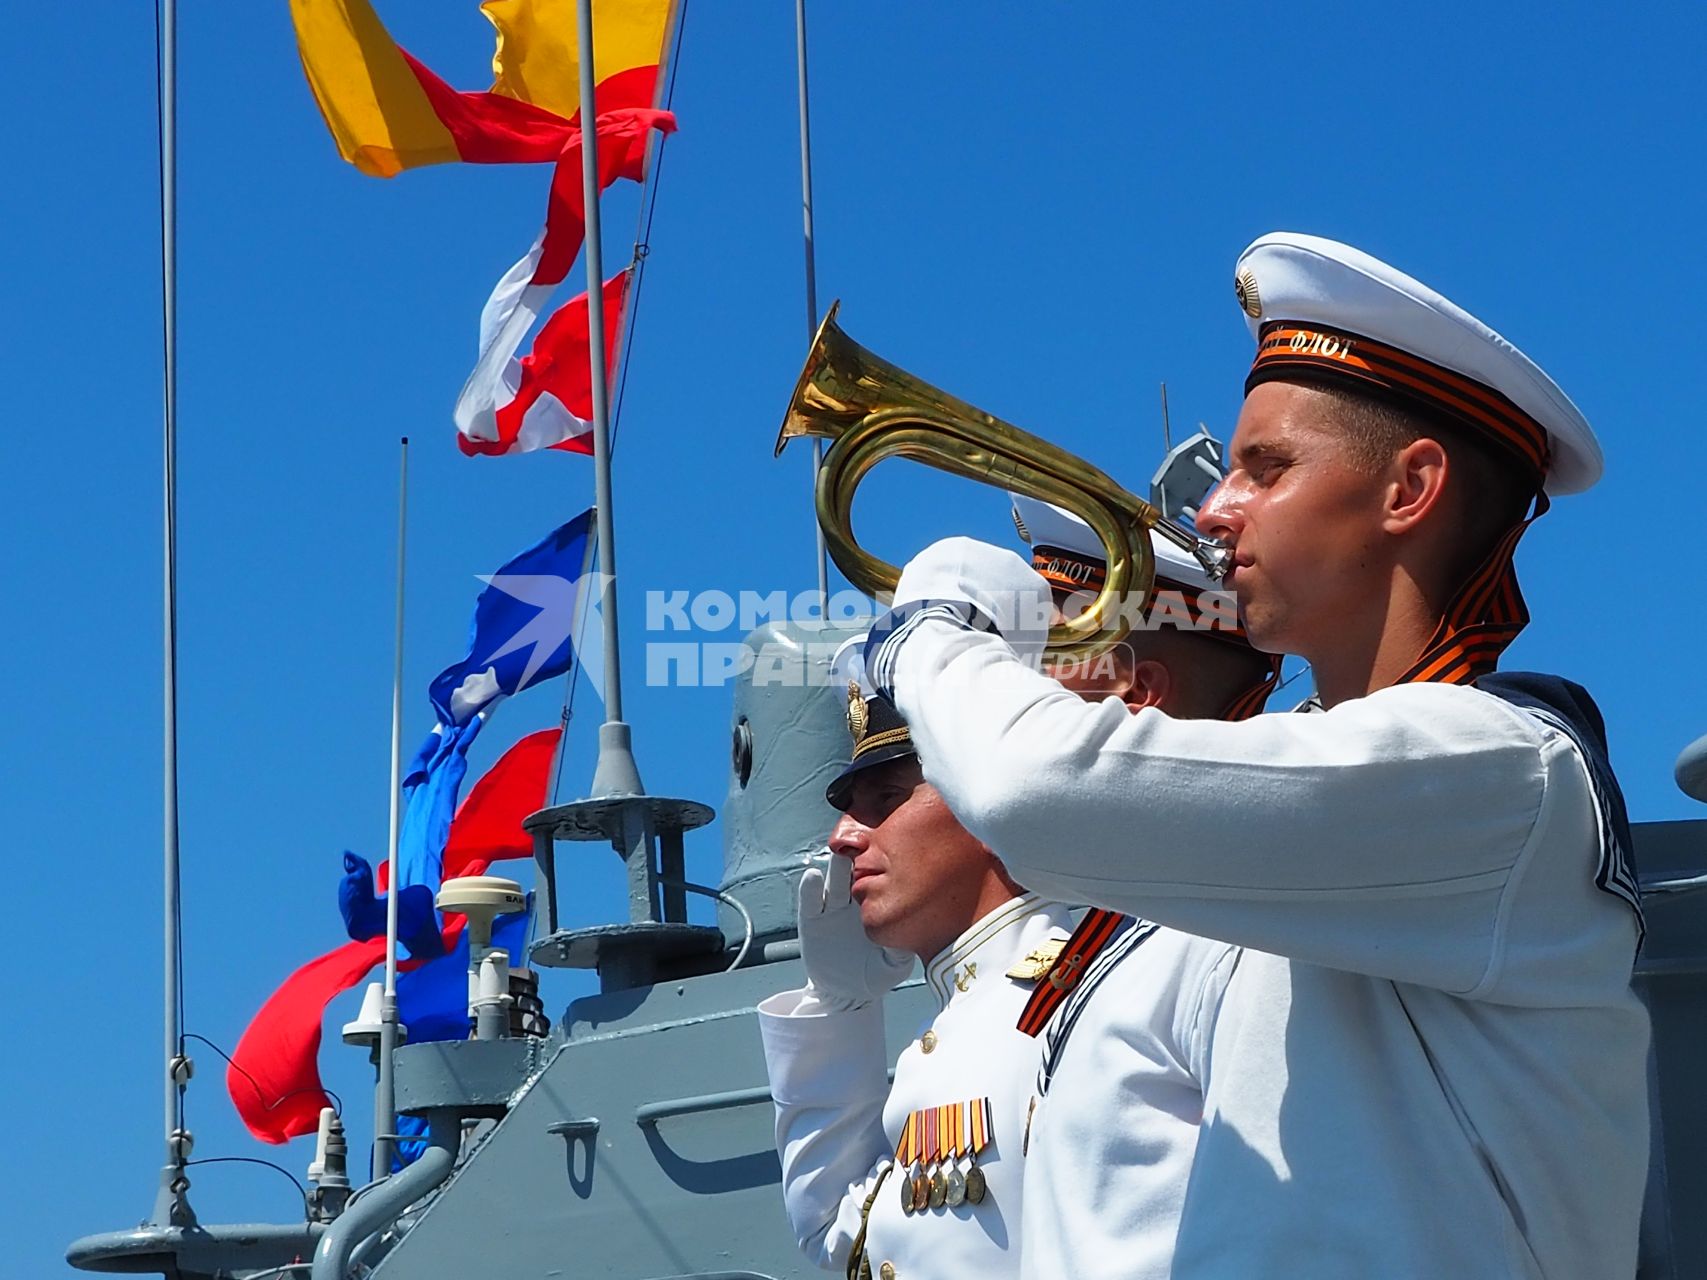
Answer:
(482, 899)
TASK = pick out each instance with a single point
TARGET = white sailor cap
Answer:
(1323, 310)
(1068, 554)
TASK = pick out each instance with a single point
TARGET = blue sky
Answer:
(1037, 207)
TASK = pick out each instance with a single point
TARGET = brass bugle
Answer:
(871, 410)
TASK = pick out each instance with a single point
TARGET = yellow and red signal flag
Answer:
(388, 112)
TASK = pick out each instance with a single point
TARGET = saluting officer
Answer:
(1429, 1061)
(922, 1179)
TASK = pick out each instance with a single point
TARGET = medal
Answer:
(954, 1184)
(978, 1137)
(954, 1194)
(906, 1154)
(921, 1183)
(938, 1185)
(976, 1187)
(937, 1156)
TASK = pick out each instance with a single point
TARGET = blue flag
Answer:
(522, 625)
(521, 635)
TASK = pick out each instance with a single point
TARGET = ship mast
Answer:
(646, 831)
(616, 772)
(171, 1205)
(811, 279)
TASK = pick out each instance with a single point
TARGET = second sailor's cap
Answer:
(1324, 310)
(1066, 551)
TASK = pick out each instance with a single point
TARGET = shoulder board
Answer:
(1038, 961)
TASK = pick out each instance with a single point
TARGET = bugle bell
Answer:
(871, 410)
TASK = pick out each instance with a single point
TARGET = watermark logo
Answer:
(553, 625)
(713, 638)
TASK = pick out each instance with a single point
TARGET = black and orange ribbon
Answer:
(1092, 935)
(1286, 350)
(1482, 620)
(979, 1129)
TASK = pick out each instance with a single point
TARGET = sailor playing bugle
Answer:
(1436, 1065)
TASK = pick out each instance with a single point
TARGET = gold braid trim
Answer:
(857, 1255)
(883, 739)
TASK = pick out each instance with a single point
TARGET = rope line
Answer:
(337, 1102)
(266, 1164)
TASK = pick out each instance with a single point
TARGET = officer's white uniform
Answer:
(839, 1120)
(1445, 1074)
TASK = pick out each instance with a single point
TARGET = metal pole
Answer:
(811, 278)
(385, 1096)
(615, 773)
(171, 1205)
(574, 672)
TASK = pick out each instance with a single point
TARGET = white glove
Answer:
(980, 586)
(845, 969)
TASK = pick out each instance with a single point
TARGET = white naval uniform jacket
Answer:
(1120, 1102)
(1438, 1069)
(839, 1120)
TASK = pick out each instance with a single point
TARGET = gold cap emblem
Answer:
(1245, 287)
(859, 718)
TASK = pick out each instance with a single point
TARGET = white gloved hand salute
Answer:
(845, 970)
(972, 584)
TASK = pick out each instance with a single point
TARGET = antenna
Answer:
(1188, 472)
(384, 1093)
(811, 280)
(171, 1204)
(482, 899)
(1167, 435)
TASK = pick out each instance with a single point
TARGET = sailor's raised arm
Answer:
(1391, 829)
